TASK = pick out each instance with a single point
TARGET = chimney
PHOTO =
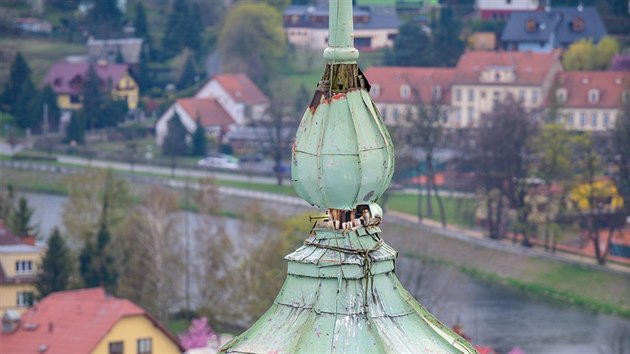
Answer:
(29, 240)
(10, 321)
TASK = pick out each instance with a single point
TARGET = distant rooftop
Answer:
(365, 17)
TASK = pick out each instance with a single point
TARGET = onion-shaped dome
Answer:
(343, 155)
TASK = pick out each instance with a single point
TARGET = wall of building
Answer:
(8, 261)
(8, 296)
(129, 330)
(535, 47)
(215, 90)
(317, 38)
(127, 89)
(582, 119)
(64, 102)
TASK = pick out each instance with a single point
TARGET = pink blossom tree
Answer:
(620, 62)
(198, 334)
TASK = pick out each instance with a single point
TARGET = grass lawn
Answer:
(459, 211)
(40, 53)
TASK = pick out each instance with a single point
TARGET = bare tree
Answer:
(501, 157)
(280, 126)
(423, 128)
(154, 263)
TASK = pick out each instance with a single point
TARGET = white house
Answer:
(224, 102)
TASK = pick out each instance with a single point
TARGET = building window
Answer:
(534, 96)
(570, 119)
(384, 113)
(497, 77)
(606, 120)
(436, 93)
(75, 99)
(471, 115)
(625, 96)
(24, 299)
(593, 96)
(145, 346)
(116, 347)
(594, 119)
(395, 115)
(458, 95)
(582, 119)
(521, 95)
(561, 95)
(471, 94)
(483, 94)
(577, 24)
(531, 25)
(458, 115)
(24, 266)
(405, 90)
(375, 90)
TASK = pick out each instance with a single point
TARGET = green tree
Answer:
(104, 15)
(412, 46)
(252, 40)
(7, 202)
(182, 29)
(56, 266)
(93, 98)
(279, 5)
(18, 92)
(21, 219)
(605, 50)
(75, 131)
(199, 140)
(144, 80)
(189, 73)
(44, 98)
(446, 45)
(96, 264)
(140, 25)
(621, 151)
(175, 141)
(579, 56)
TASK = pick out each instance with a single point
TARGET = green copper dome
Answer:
(341, 294)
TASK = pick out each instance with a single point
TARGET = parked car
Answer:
(256, 157)
(227, 162)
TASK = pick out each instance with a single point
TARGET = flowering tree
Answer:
(620, 62)
(198, 334)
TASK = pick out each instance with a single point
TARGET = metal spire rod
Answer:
(341, 38)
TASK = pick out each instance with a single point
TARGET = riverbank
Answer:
(590, 288)
(602, 291)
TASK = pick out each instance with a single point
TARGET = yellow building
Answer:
(67, 79)
(95, 321)
(19, 260)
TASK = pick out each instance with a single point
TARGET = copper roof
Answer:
(208, 110)
(71, 322)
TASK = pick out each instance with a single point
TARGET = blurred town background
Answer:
(145, 161)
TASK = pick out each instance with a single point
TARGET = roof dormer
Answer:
(593, 96)
(405, 91)
(578, 24)
(531, 25)
(561, 95)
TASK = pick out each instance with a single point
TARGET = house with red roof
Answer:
(481, 78)
(19, 262)
(397, 91)
(590, 100)
(225, 101)
(86, 321)
(66, 80)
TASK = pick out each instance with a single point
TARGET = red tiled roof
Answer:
(610, 85)
(390, 80)
(60, 76)
(71, 322)
(209, 111)
(530, 68)
(241, 88)
(6, 237)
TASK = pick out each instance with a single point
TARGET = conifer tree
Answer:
(175, 140)
(56, 266)
(21, 219)
(75, 131)
(93, 99)
(177, 28)
(189, 73)
(199, 140)
(18, 91)
(140, 24)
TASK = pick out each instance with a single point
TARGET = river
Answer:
(492, 314)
